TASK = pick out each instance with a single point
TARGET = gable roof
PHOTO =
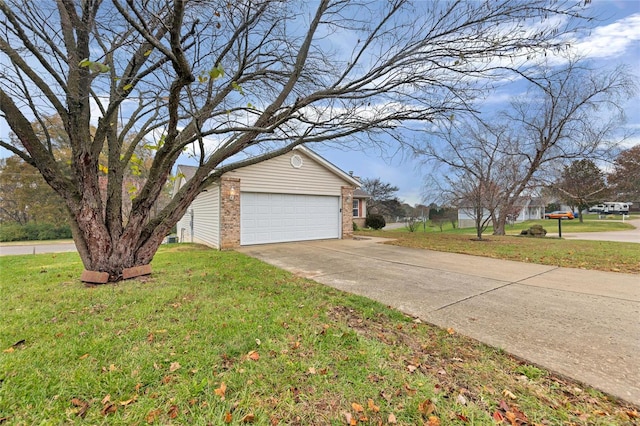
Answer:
(359, 193)
(189, 171)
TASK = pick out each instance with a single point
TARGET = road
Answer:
(36, 247)
(625, 236)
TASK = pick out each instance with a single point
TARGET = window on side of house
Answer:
(356, 208)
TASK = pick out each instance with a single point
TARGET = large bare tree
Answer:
(569, 113)
(221, 78)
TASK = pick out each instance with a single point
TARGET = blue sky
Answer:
(614, 39)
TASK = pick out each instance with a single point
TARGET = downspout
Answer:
(191, 223)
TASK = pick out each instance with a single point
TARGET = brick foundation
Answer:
(229, 213)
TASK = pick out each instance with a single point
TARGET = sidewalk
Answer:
(582, 324)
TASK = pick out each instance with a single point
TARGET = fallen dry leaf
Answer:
(84, 356)
(129, 401)
(357, 407)
(632, 414)
(451, 330)
(228, 417)
(392, 419)
(372, 407)
(463, 417)
(249, 418)
(106, 399)
(173, 412)
(497, 416)
(460, 399)
(174, 366)
(221, 390)
(433, 421)
(82, 405)
(426, 407)
(253, 355)
(152, 416)
(508, 394)
(9, 350)
(410, 391)
(108, 408)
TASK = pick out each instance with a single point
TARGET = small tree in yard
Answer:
(233, 83)
(383, 197)
(625, 177)
(582, 185)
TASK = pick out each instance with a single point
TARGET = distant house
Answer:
(296, 196)
(531, 208)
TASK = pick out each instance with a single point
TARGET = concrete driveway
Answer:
(582, 324)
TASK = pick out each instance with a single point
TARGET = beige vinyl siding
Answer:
(183, 226)
(278, 176)
(206, 219)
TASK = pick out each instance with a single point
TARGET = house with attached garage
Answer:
(296, 196)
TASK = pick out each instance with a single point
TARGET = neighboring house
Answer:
(293, 197)
(529, 209)
(532, 209)
(360, 198)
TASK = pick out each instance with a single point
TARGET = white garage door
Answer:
(273, 218)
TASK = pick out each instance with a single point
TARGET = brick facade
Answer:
(229, 213)
(347, 212)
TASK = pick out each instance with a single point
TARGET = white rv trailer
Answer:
(611, 207)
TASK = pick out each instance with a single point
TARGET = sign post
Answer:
(559, 227)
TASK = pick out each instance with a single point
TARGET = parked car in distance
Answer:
(559, 214)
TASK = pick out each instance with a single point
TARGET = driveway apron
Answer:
(581, 324)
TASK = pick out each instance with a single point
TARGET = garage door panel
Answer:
(269, 218)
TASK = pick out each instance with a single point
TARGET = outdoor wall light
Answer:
(232, 193)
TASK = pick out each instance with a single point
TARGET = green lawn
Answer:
(597, 255)
(591, 223)
(217, 337)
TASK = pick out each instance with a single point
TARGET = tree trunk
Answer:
(103, 252)
(499, 224)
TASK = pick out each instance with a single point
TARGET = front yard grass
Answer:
(596, 255)
(220, 338)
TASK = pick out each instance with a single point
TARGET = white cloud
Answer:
(612, 40)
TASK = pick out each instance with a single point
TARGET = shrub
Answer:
(375, 221)
(355, 226)
(12, 232)
(33, 232)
